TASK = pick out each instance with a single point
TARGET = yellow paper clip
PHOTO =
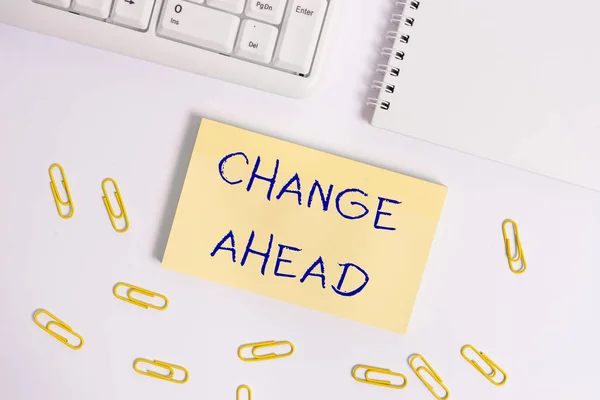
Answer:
(59, 324)
(429, 369)
(519, 249)
(239, 389)
(169, 367)
(493, 366)
(57, 199)
(262, 345)
(378, 382)
(134, 289)
(109, 208)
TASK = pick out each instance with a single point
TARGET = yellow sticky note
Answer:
(304, 226)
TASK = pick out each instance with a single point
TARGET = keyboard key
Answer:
(299, 35)
(198, 25)
(133, 13)
(56, 3)
(234, 6)
(270, 11)
(256, 41)
(93, 8)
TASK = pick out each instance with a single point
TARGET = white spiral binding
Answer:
(412, 4)
(395, 53)
(381, 85)
(402, 19)
(390, 51)
(388, 69)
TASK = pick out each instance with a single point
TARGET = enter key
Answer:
(300, 35)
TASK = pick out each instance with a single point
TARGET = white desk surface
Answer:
(102, 115)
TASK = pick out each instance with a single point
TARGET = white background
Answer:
(101, 115)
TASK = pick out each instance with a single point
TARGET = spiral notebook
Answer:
(517, 83)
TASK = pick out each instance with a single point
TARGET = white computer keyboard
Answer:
(278, 46)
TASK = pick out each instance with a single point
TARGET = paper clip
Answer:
(61, 325)
(519, 249)
(169, 367)
(493, 366)
(378, 382)
(429, 369)
(60, 202)
(239, 389)
(134, 289)
(262, 345)
(109, 208)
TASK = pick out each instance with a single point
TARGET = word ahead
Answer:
(315, 271)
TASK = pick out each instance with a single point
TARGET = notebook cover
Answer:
(518, 83)
(303, 226)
